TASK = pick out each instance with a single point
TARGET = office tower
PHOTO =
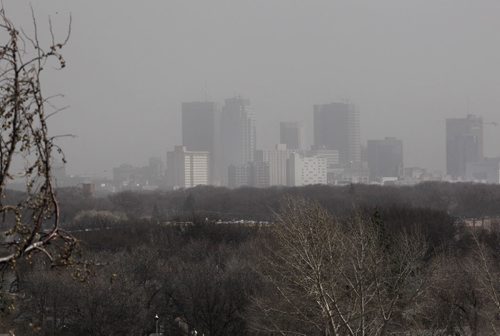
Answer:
(306, 170)
(237, 133)
(291, 134)
(385, 158)
(187, 169)
(464, 144)
(277, 160)
(199, 131)
(336, 126)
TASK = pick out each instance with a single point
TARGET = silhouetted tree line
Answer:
(455, 199)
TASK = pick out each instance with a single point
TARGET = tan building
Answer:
(187, 169)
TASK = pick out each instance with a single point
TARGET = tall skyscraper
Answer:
(238, 134)
(199, 131)
(291, 134)
(187, 169)
(385, 158)
(464, 144)
(336, 126)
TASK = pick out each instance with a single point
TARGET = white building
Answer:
(306, 170)
(187, 169)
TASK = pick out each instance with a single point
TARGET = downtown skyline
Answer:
(408, 66)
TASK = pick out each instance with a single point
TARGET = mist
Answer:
(406, 65)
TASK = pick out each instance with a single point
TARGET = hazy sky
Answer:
(406, 64)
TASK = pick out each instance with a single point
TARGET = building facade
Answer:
(291, 134)
(252, 174)
(187, 169)
(277, 161)
(199, 129)
(306, 170)
(484, 171)
(385, 158)
(332, 162)
(336, 127)
(237, 134)
(464, 144)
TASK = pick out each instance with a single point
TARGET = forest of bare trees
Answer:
(395, 270)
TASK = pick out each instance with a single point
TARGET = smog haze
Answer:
(406, 65)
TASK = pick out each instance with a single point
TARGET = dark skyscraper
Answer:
(237, 134)
(464, 144)
(198, 126)
(291, 135)
(385, 158)
(336, 126)
(199, 130)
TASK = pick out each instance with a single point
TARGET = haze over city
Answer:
(406, 65)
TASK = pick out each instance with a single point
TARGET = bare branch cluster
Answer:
(337, 277)
(26, 147)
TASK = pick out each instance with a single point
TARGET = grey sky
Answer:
(407, 65)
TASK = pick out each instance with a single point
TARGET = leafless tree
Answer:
(485, 266)
(336, 277)
(27, 150)
(452, 303)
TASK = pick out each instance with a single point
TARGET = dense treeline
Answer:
(358, 260)
(456, 199)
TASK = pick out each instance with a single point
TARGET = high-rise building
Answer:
(306, 170)
(336, 126)
(464, 144)
(385, 158)
(277, 160)
(237, 133)
(199, 129)
(187, 169)
(291, 134)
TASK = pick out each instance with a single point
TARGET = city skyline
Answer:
(337, 155)
(388, 148)
(407, 65)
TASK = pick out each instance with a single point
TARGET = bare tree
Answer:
(27, 150)
(333, 277)
(451, 306)
(485, 266)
